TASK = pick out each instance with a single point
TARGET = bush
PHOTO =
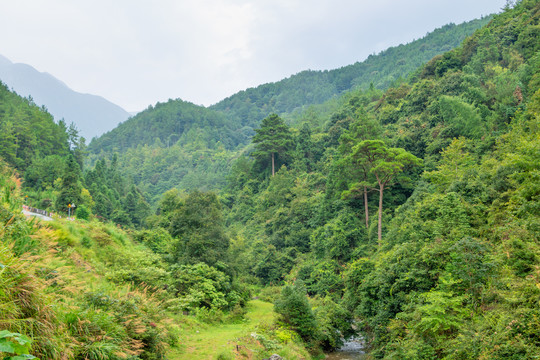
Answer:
(82, 212)
(295, 311)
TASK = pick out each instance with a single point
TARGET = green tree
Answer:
(197, 224)
(136, 206)
(305, 149)
(365, 128)
(8, 142)
(273, 137)
(384, 164)
(294, 310)
(70, 192)
(455, 165)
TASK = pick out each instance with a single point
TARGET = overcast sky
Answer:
(138, 52)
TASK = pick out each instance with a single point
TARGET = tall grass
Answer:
(67, 286)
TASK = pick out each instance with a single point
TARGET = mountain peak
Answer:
(93, 115)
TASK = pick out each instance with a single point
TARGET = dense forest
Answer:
(315, 87)
(406, 212)
(179, 144)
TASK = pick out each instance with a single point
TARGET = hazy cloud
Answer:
(138, 52)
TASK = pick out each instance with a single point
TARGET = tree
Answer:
(455, 165)
(364, 128)
(294, 309)
(384, 164)
(305, 148)
(8, 142)
(136, 206)
(273, 137)
(70, 193)
(198, 228)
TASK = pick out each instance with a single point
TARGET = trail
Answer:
(208, 341)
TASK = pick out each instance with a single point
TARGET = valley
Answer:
(399, 205)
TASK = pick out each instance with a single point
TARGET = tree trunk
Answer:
(381, 189)
(272, 164)
(366, 207)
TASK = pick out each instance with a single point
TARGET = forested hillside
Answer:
(178, 144)
(409, 216)
(174, 144)
(169, 123)
(27, 131)
(315, 87)
(415, 211)
(49, 156)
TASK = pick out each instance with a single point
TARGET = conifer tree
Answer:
(384, 164)
(70, 193)
(273, 137)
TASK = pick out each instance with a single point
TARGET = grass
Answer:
(209, 342)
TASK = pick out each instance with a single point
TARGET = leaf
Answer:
(21, 357)
(13, 342)
(6, 346)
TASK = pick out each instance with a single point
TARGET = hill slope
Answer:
(315, 87)
(173, 144)
(187, 154)
(447, 264)
(93, 115)
(173, 121)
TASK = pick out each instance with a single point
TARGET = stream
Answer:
(351, 350)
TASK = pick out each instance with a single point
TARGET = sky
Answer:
(138, 52)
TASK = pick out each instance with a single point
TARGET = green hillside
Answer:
(315, 87)
(414, 211)
(178, 144)
(408, 216)
(169, 123)
(27, 131)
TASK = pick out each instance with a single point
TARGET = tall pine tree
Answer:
(272, 138)
(70, 193)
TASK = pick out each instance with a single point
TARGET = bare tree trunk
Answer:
(381, 189)
(366, 207)
(272, 164)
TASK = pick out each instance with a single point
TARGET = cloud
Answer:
(138, 52)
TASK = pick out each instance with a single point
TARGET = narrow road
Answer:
(39, 216)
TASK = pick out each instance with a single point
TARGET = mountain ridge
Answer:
(317, 86)
(92, 114)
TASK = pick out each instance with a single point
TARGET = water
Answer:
(351, 350)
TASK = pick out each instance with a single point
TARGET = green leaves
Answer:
(442, 313)
(460, 118)
(15, 343)
(271, 139)
(195, 221)
(294, 309)
(382, 162)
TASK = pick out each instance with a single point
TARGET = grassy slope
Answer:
(76, 270)
(202, 342)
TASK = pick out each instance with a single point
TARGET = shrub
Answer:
(82, 212)
(295, 311)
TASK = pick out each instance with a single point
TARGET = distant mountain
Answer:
(315, 87)
(93, 115)
(171, 122)
(173, 144)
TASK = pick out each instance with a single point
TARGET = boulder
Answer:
(274, 357)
